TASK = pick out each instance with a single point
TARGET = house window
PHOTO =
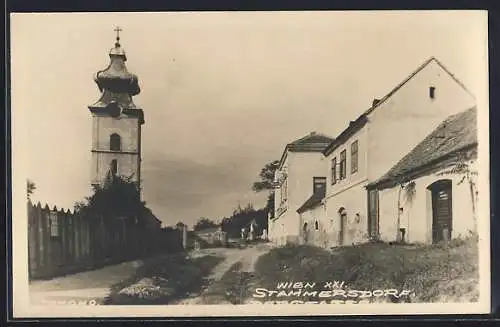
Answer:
(334, 170)
(283, 190)
(343, 165)
(432, 92)
(115, 143)
(354, 157)
(54, 224)
(316, 225)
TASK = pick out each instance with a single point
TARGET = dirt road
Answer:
(92, 286)
(241, 260)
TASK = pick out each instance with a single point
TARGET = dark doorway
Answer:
(373, 214)
(442, 215)
(343, 225)
(114, 167)
(305, 232)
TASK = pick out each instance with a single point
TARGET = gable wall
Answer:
(406, 118)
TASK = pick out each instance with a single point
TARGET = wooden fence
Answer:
(61, 242)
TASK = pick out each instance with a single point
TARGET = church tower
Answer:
(116, 122)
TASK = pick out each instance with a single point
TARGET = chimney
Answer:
(375, 102)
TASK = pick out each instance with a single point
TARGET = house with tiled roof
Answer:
(377, 140)
(347, 212)
(431, 193)
(301, 163)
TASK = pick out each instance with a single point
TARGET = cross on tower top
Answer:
(117, 30)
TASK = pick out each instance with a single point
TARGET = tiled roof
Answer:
(311, 142)
(312, 202)
(456, 133)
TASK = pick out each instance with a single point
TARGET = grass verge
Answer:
(432, 273)
(161, 280)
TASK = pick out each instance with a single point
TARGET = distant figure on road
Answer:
(252, 232)
(243, 233)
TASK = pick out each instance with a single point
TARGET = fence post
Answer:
(86, 240)
(38, 242)
(91, 240)
(64, 240)
(76, 232)
(124, 239)
(71, 238)
(104, 239)
(46, 240)
(31, 241)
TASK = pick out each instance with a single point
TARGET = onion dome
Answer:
(116, 84)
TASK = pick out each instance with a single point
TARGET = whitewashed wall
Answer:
(417, 214)
(350, 192)
(126, 127)
(301, 167)
(354, 200)
(129, 162)
(324, 236)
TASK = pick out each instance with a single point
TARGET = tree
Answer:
(179, 225)
(266, 177)
(121, 198)
(79, 206)
(266, 183)
(31, 187)
(242, 217)
(204, 223)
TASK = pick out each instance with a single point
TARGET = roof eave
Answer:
(355, 126)
(416, 172)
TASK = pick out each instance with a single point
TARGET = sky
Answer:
(222, 93)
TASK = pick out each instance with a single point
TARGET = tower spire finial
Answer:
(117, 30)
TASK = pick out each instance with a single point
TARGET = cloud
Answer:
(186, 189)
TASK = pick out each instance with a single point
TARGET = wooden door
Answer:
(441, 211)
(343, 227)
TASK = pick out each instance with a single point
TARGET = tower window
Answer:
(316, 225)
(432, 92)
(115, 143)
